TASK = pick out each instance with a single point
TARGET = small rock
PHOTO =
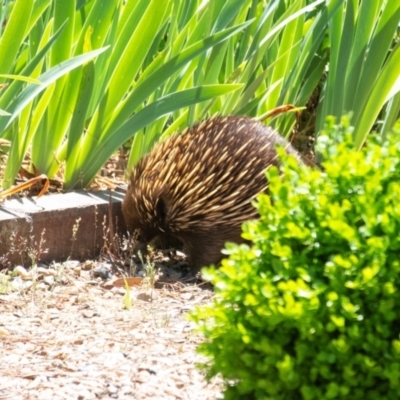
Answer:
(3, 332)
(127, 390)
(187, 296)
(77, 271)
(27, 285)
(49, 280)
(57, 363)
(112, 389)
(88, 265)
(17, 283)
(42, 286)
(92, 282)
(89, 313)
(102, 271)
(84, 394)
(71, 264)
(22, 272)
(146, 296)
(118, 290)
(46, 271)
(64, 280)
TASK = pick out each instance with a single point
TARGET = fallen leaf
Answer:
(130, 281)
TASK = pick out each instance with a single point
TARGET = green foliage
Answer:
(26, 39)
(127, 72)
(364, 73)
(151, 67)
(311, 311)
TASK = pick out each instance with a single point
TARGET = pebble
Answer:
(49, 280)
(88, 265)
(102, 271)
(46, 271)
(17, 283)
(71, 264)
(22, 272)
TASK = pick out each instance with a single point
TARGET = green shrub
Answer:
(312, 309)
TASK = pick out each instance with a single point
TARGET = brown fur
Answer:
(198, 186)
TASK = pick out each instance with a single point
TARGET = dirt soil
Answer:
(65, 334)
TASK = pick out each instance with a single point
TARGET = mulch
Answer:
(65, 334)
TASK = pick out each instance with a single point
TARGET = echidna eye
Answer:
(139, 237)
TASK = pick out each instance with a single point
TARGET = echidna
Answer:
(198, 186)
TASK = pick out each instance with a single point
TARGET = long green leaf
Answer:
(50, 76)
(94, 155)
(380, 44)
(131, 59)
(14, 33)
(20, 78)
(77, 126)
(21, 141)
(149, 84)
(345, 49)
(49, 138)
(39, 7)
(12, 90)
(391, 115)
(384, 84)
(367, 15)
(310, 45)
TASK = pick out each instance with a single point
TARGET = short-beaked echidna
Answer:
(198, 186)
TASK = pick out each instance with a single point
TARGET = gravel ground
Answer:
(67, 335)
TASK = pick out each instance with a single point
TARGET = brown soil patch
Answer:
(70, 337)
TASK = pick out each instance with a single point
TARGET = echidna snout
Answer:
(198, 186)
